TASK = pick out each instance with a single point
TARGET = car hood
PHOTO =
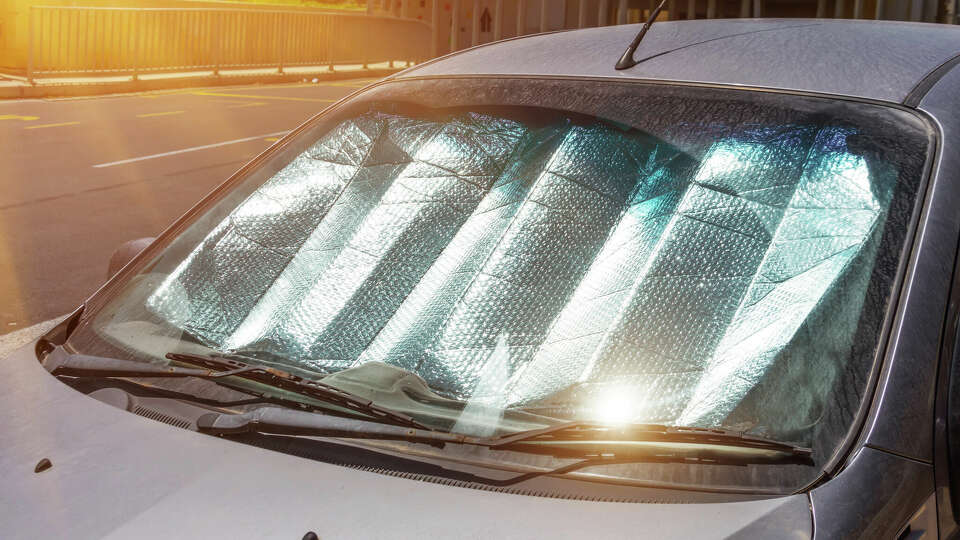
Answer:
(119, 475)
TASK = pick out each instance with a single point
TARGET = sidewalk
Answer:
(15, 87)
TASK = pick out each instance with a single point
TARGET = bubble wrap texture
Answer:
(600, 258)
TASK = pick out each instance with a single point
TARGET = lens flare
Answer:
(616, 406)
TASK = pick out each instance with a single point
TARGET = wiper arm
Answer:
(59, 362)
(591, 431)
(570, 440)
(224, 367)
(278, 421)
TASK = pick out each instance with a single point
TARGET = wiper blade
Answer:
(62, 363)
(224, 367)
(591, 431)
(278, 421)
(570, 440)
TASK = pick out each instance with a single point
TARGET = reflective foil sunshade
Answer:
(554, 266)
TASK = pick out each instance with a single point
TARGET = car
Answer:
(518, 292)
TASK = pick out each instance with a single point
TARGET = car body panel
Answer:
(902, 421)
(872, 498)
(809, 55)
(120, 475)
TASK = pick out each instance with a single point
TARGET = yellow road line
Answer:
(167, 113)
(249, 96)
(272, 139)
(41, 126)
(18, 117)
(242, 105)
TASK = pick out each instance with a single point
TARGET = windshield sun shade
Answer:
(546, 266)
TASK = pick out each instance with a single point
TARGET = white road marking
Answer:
(185, 150)
(14, 340)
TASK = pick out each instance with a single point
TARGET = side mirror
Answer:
(125, 253)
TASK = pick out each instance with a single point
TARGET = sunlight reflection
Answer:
(616, 406)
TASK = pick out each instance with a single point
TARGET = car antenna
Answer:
(626, 61)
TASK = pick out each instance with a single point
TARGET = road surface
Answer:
(81, 176)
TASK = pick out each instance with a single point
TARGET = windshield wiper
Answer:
(59, 362)
(578, 440)
(587, 431)
(277, 378)
(706, 445)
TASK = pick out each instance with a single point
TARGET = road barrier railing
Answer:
(77, 41)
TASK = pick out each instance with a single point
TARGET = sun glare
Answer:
(617, 406)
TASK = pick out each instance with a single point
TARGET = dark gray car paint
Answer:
(791, 520)
(902, 421)
(872, 498)
(882, 61)
(882, 486)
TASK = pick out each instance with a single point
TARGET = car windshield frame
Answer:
(386, 93)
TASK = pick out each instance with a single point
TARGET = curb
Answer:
(140, 85)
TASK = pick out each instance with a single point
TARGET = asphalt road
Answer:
(81, 176)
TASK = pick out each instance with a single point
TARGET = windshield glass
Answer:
(685, 257)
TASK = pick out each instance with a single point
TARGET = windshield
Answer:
(684, 257)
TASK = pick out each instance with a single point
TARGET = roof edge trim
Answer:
(928, 81)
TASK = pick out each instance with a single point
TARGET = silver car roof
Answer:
(879, 60)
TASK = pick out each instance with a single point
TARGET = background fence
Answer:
(98, 40)
(174, 35)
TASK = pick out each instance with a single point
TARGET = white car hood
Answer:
(119, 475)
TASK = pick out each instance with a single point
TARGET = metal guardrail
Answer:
(66, 41)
